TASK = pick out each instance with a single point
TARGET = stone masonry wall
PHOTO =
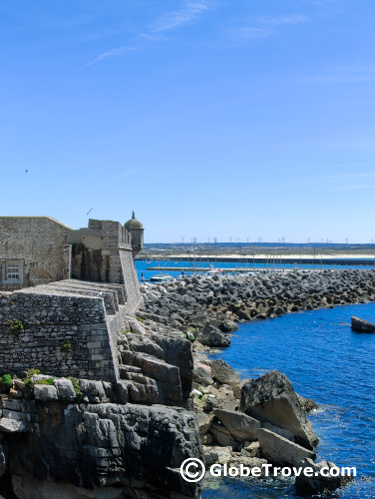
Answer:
(48, 322)
(133, 293)
(40, 244)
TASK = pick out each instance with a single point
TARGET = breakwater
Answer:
(217, 299)
(207, 308)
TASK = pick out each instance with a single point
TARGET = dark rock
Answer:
(201, 376)
(224, 373)
(213, 337)
(362, 326)
(241, 426)
(317, 483)
(271, 398)
(281, 451)
(228, 326)
(307, 405)
(132, 446)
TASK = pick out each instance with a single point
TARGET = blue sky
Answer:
(242, 120)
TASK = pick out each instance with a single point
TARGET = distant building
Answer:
(39, 250)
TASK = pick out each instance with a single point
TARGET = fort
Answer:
(60, 286)
(94, 398)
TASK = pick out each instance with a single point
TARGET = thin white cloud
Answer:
(175, 19)
(109, 53)
(252, 33)
(266, 26)
(168, 22)
(282, 20)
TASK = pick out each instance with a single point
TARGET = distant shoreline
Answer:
(271, 259)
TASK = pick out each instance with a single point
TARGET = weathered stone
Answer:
(228, 326)
(122, 390)
(93, 390)
(213, 337)
(213, 454)
(9, 425)
(281, 451)
(307, 405)
(204, 422)
(132, 446)
(271, 398)
(223, 436)
(45, 393)
(279, 431)
(253, 449)
(224, 373)
(201, 376)
(65, 390)
(241, 426)
(2, 462)
(318, 483)
(362, 326)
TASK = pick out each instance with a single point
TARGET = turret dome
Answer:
(133, 223)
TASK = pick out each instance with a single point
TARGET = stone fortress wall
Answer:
(38, 245)
(36, 323)
(50, 310)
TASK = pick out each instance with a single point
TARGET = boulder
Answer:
(45, 393)
(204, 422)
(307, 405)
(9, 425)
(224, 373)
(201, 376)
(228, 326)
(278, 450)
(249, 462)
(279, 431)
(317, 483)
(271, 398)
(223, 436)
(253, 449)
(241, 426)
(362, 326)
(214, 454)
(65, 390)
(93, 390)
(212, 336)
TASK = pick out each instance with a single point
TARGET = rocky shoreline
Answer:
(79, 438)
(252, 421)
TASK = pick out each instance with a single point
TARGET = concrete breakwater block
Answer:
(362, 326)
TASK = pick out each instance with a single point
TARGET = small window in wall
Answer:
(13, 271)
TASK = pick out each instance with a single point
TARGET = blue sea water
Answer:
(329, 363)
(325, 361)
(161, 265)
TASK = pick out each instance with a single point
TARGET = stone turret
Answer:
(135, 228)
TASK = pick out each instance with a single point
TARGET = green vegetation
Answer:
(77, 388)
(15, 325)
(6, 381)
(67, 346)
(44, 381)
(31, 372)
(139, 319)
(127, 331)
